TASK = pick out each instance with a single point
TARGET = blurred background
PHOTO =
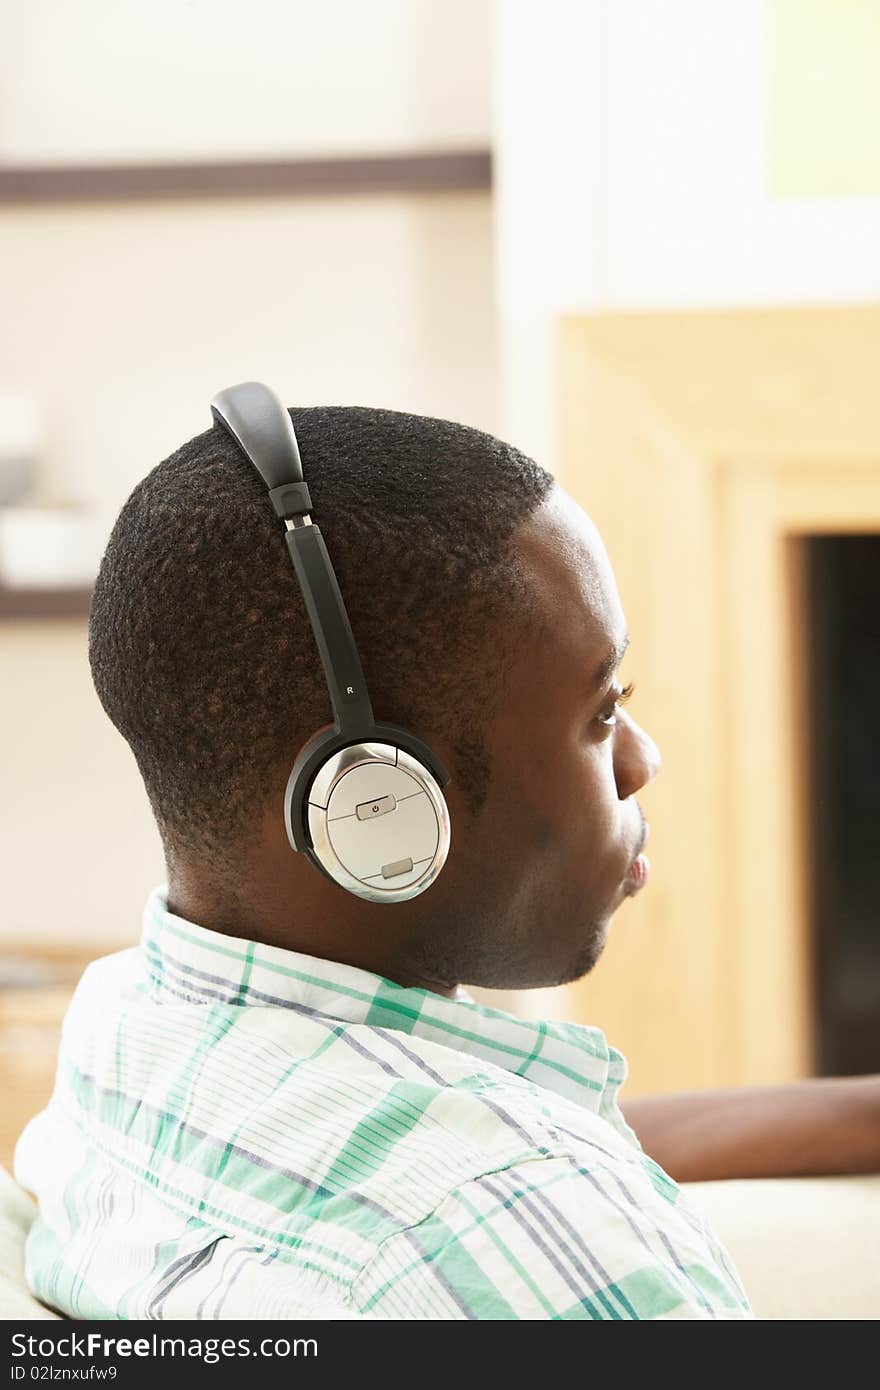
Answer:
(641, 241)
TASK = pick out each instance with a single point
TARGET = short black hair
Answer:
(199, 643)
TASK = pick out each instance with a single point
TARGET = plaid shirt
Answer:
(241, 1131)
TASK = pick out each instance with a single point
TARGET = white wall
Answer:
(123, 321)
(80, 849)
(123, 80)
(633, 171)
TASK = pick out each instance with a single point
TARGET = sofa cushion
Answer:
(806, 1248)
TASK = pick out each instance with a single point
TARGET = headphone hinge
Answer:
(291, 499)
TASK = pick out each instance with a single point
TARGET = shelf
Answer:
(428, 171)
(39, 605)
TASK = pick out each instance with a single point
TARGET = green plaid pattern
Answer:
(240, 1131)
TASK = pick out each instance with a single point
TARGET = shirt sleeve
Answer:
(549, 1239)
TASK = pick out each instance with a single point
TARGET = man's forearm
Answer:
(823, 1126)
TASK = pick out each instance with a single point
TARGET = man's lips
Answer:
(638, 874)
(640, 868)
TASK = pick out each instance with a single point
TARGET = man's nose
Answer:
(637, 759)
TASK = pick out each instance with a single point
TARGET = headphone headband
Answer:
(261, 426)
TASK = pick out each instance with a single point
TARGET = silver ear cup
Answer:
(378, 822)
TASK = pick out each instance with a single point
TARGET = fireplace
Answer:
(842, 581)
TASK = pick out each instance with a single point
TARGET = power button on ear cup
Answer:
(368, 809)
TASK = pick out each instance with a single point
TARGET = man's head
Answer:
(482, 603)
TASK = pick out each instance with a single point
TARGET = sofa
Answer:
(806, 1248)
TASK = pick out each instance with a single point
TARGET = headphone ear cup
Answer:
(377, 822)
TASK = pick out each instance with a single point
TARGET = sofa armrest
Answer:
(17, 1211)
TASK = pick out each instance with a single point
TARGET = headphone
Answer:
(364, 800)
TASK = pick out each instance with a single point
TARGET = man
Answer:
(283, 1103)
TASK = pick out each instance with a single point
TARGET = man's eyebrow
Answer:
(610, 664)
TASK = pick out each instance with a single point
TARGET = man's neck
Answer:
(345, 942)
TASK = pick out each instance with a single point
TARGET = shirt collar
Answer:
(191, 963)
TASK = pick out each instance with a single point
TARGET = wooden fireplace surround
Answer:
(706, 445)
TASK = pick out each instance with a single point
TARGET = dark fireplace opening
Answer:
(842, 575)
